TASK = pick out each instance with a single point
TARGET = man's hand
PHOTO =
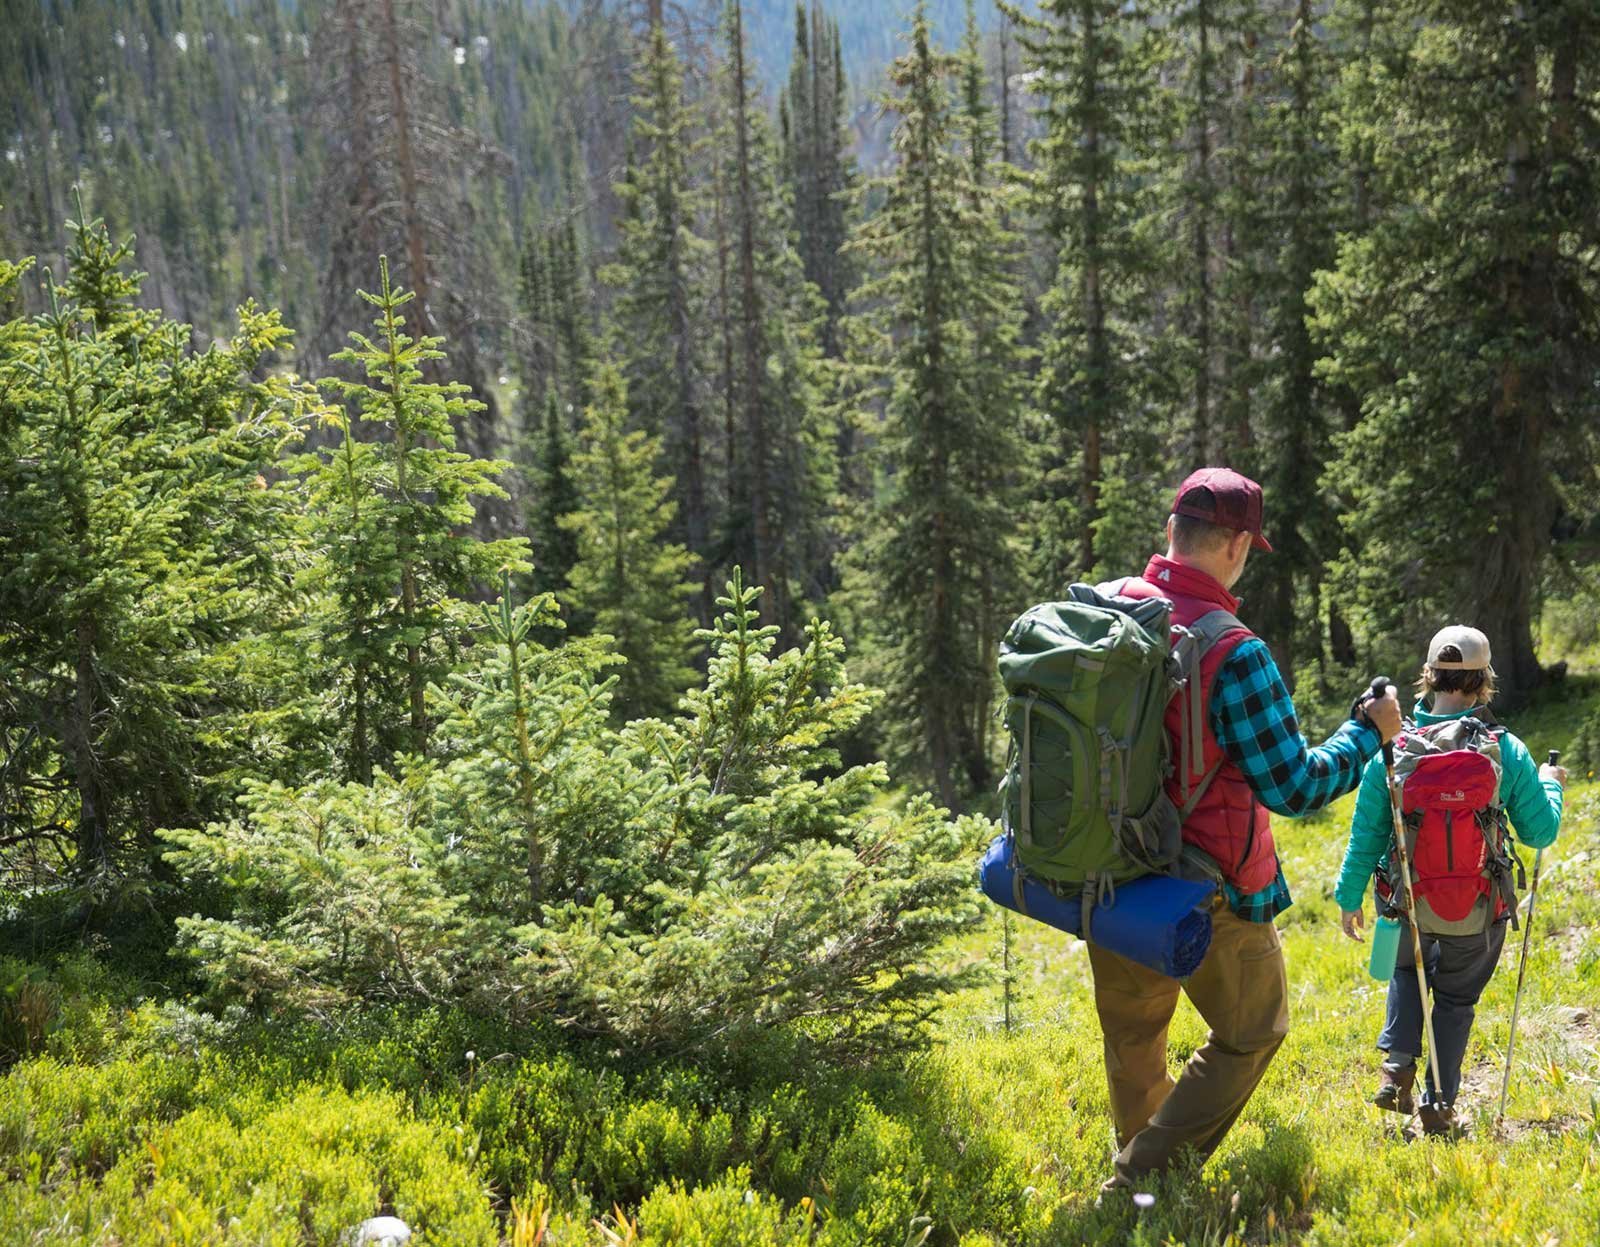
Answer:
(1352, 922)
(1384, 714)
(1557, 773)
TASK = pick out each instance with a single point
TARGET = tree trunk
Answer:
(416, 241)
(1201, 241)
(94, 833)
(1521, 395)
(1099, 350)
(753, 345)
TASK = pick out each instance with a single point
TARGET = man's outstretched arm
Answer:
(1253, 717)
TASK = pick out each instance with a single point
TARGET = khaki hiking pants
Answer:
(1241, 990)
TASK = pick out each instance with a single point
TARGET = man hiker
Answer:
(1460, 874)
(1254, 760)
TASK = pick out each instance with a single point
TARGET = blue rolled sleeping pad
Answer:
(1159, 921)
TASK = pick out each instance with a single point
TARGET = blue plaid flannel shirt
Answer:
(1253, 718)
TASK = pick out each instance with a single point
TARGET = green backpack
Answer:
(1088, 683)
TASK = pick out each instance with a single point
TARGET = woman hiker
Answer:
(1461, 878)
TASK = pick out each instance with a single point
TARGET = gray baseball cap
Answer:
(1470, 644)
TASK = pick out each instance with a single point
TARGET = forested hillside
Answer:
(508, 510)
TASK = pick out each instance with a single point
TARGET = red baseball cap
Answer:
(1223, 497)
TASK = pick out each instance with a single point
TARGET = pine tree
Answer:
(142, 555)
(940, 543)
(1466, 318)
(628, 579)
(550, 866)
(1296, 419)
(1210, 46)
(817, 161)
(391, 515)
(781, 465)
(659, 280)
(1104, 379)
(553, 496)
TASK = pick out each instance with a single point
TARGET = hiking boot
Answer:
(1439, 1120)
(1394, 1089)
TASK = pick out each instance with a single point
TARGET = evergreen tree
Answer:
(817, 161)
(781, 464)
(1210, 46)
(1466, 317)
(628, 579)
(1296, 419)
(940, 543)
(556, 303)
(142, 552)
(553, 496)
(548, 865)
(389, 516)
(658, 276)
(1104, 379)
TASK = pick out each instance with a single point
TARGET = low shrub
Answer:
(303, 1169)
(675, 886)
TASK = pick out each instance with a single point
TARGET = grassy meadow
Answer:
(134, 1118)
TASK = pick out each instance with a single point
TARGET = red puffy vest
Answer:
(1228, 823)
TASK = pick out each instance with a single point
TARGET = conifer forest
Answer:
(509, 510)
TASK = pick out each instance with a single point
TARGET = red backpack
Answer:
(1456, 834)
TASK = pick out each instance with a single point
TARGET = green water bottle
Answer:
(1385, 948)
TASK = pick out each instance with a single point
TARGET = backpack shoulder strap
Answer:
(1213, 626)
(1203, 636)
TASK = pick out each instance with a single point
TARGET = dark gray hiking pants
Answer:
(1459, 968)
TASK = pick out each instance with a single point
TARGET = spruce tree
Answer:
(782, 459)
(659, 281)
(1466, 318)
(939, 548)
(1104, 378)
(390, 514)
(142, 557)
(817, 161)
(628, 579)
(553, 495)
(1295, 418)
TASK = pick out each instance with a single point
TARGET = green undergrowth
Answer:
(142, 1121)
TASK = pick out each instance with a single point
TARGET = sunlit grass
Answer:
(1311, 1160)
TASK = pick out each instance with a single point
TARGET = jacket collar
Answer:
(1425, 716)
(1171, 576)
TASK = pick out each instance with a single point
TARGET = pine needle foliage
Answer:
(552, 495)
(941, 334)
(660, 279)
(676, 885)
(389, 517)
(1103, 379)
(629, 582)
(141, 547)
(1467, 320)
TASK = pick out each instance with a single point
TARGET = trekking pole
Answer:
(1380, 688)
(1522, 970)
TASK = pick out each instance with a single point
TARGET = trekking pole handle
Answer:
(1554, 755)
(1380, 690)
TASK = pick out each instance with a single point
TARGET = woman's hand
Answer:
(1352, 922)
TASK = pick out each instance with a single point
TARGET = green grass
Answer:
(1310, 1161)
(135, 1122)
